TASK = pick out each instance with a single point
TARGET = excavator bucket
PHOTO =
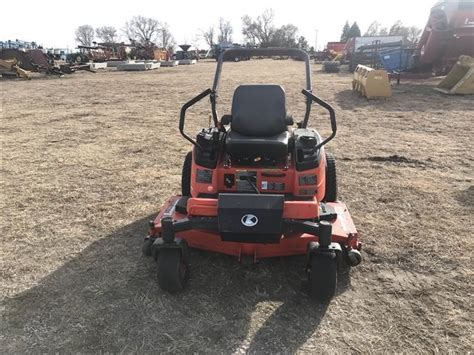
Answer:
(9, 67)
(460, 80)
(371, 83)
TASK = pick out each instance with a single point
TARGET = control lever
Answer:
(252, 180)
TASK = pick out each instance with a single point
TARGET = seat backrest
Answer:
(259, 110)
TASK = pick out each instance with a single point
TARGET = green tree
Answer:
(303, 44)
(345, 32)
(285, 36)
(354, 30)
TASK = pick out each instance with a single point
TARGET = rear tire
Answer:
(331, 179)
(323, 276)
(173, 272)
(186, 175)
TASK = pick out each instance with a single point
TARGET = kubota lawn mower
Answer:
(256, 186)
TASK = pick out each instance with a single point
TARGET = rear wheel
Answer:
(186, 175)
(173, 272)
(331, 179)
(323, 276)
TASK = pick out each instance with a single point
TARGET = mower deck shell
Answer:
(343, 230)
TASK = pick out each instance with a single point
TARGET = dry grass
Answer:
(88, 159)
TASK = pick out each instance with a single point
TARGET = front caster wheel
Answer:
(147, 247)
(173, 271)
(323, 276)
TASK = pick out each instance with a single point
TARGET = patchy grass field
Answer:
(88, 159)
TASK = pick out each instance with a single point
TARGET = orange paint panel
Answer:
(344, 231)
(291, 209)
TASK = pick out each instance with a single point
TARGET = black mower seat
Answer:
(246, 147)
(259, 123)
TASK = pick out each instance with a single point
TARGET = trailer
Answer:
(365, 50)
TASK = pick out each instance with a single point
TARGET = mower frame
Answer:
(323, 231)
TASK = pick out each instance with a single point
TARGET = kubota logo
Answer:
(249, 220)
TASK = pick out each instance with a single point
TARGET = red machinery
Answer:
(448, 34)
(254, 185)
(336, 47)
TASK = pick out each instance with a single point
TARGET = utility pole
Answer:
(316, 41)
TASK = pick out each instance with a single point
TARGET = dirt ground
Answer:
(88, 159)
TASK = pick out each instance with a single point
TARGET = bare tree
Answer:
(249, 30)
(375, 29)
(398, 29)
(107, 34)
(85, 35)
(225, 31)
(209, 36)
(413, 34)
(260, 30)
(166, 39)
(144, 30)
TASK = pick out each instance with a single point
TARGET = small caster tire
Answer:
(354, 257)
(173, 271)
(323, 276)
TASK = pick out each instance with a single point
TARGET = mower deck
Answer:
(291, 243)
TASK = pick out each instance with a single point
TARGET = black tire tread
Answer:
(186, 175)
(169, 277)
(331, 179)
(323, 277)
(147, 247)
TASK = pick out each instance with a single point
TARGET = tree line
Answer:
(410, 33)
(259, 31)
(139, 30)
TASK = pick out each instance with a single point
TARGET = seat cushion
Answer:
(249, 148)
(259, 110)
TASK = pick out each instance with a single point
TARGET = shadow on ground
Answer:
(107, 299)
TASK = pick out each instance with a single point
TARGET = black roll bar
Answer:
(263, 52)
(332, 116)
(182, 115)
